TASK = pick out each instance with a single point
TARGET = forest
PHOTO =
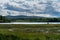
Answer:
(4, 19)
(38, 19)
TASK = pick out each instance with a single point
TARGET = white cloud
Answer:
(40, 7)
(44, 15)
(2, 1)
(57, 6)
(3, 13)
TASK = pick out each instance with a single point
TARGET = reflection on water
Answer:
(32, 23)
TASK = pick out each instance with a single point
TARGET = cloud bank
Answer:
(30, 7)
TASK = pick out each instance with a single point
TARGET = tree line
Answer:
(4, 19)
(38, 19)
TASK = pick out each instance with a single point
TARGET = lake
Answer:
(32, 23)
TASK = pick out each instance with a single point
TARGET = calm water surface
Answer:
(32, 23)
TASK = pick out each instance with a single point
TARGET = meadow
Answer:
(29, 32)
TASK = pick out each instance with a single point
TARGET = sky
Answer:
(29, 7)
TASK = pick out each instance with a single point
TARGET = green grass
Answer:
(29, 32)
(31, 36)
(29, 25)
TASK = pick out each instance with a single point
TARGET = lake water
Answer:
(32, 23)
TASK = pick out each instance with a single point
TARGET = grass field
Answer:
(30, 32)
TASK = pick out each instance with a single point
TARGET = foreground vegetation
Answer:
(28, 36)
(29, 32)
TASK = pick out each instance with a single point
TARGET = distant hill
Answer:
(22, 16)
